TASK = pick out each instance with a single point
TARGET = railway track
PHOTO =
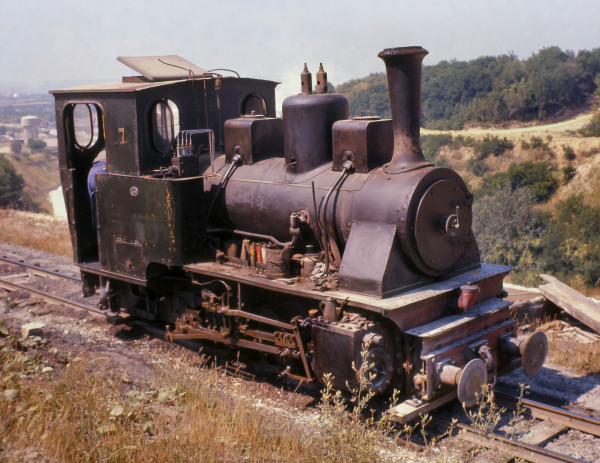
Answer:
(549, 422)
(7, 283)
(37, 270)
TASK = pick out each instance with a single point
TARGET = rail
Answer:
(560, 419)
(11, 285)
(39, 270)
(529, 452)
(557, 415)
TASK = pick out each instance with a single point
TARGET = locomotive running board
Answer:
(389, 307)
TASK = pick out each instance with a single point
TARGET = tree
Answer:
(432, 144)
(507, 227)
(16, 147)
(11, 186)
(36, 145)
(538, 176)
(592, 129)
(553, 78)
(572, 242)
(490, 89)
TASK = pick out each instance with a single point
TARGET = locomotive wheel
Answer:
(379, 370)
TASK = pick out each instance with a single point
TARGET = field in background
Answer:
(37, 231)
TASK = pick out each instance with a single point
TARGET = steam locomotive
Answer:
(324, 242)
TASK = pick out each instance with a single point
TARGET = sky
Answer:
(52, 44)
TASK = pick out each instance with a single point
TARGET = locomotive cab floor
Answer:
(385, 307)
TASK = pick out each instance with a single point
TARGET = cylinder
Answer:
(329, 307)
(277, 260)
(30, 126)
(469, 380)
(321, 80)
(403, 69)
(306, 81)
(308, 263)
(258, 252)
(449, 374)
(307, 129)
(252, 255)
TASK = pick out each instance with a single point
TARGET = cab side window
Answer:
(84, 128)
(164, 125)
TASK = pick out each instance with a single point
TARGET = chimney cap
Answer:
(403, 51)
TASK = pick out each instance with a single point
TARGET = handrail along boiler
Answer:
(319, 240)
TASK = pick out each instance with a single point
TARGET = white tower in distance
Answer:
(30, 126)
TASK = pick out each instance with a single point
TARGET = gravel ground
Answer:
(136, 352)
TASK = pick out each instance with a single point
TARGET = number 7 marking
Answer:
(122, 132)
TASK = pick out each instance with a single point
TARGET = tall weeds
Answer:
(88, 411)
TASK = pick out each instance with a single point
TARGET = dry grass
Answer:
(37, 231)
(40, 172)
(555, 135)
(86, 411)
(582, 358)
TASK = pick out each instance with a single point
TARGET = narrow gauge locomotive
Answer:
(321, 241)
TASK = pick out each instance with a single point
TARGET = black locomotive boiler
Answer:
(319, 240)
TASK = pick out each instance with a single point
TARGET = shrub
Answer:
(569, 152)
(431, 144)
(568, 173)
(538, 143)
(507, 227)
(477, 166)
(593, 128)
(461, 140)
(537, 176)
(492, 145)
(16, 147)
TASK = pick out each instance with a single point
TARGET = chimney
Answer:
(403, 68)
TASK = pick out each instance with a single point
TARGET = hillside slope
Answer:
(40, 172)
(553, 137)
(537, 195)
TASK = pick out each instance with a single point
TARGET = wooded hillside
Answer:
(491, 89)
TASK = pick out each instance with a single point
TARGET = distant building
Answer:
(30, 126)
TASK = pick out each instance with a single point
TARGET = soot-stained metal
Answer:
(324, 241)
